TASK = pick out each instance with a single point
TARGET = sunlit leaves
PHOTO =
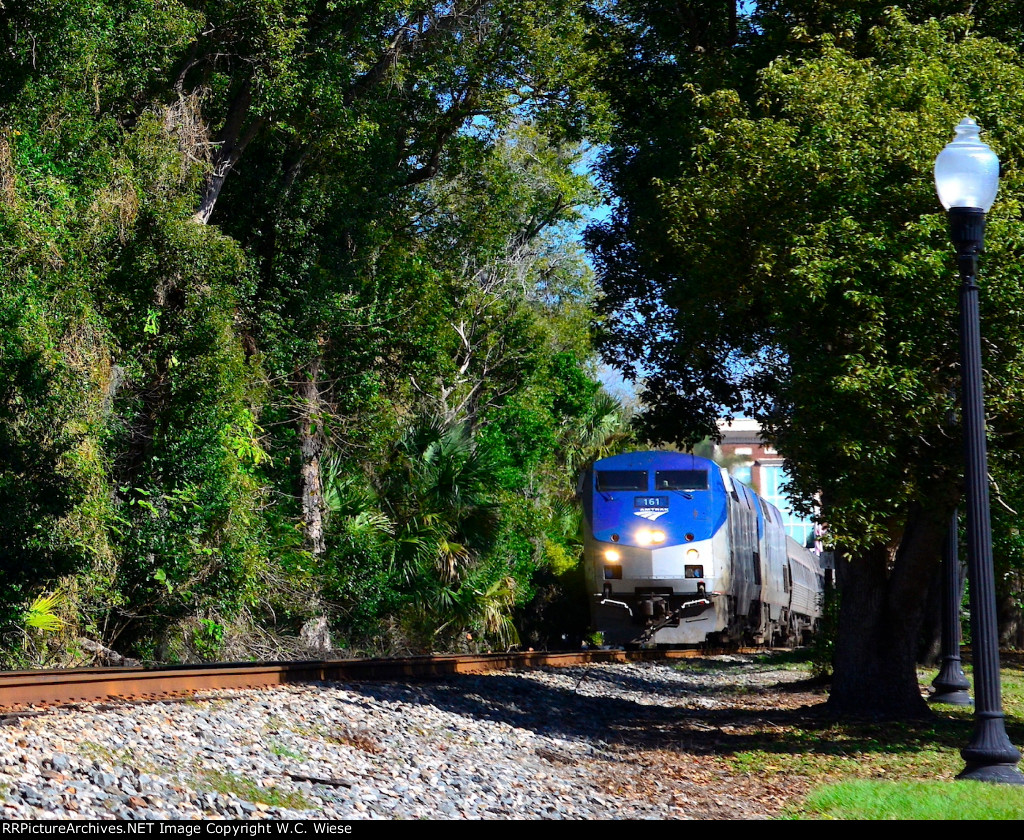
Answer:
(808, 223)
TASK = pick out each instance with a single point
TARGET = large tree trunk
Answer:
(882, 596)
(311, 448)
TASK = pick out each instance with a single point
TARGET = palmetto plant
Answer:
(27, 639)
(479, 604)
(432, 511)
(41, 613)
(604, 430)
(440, 497)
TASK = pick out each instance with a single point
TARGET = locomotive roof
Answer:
(655, 460)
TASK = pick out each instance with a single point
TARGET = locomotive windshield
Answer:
(681, 480)
(622, 480)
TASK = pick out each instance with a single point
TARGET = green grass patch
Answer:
(830, 750)
(249, 791)
(282, 750)
(880, 769)
(108, 755)
(116, 757)
(873, 800)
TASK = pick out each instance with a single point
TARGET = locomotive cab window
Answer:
(621, 480)
(681, 480)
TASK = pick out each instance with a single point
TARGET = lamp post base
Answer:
(990, 756)
(959, 697)
(999, 774)
(950, 686)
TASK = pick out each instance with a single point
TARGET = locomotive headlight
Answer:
(645, 536)
(611, 555)
(692, 554)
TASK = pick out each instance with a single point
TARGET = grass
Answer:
(862, 749)
(110, 756)
(868, 800)
(248, 790)
(282, 750)
(859, 770)
(202, 779)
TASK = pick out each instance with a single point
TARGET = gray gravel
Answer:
(538, 744)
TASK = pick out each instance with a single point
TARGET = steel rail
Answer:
(21, 689)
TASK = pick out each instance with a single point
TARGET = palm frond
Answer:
(41, 614)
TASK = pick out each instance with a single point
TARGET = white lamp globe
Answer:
(967, 170)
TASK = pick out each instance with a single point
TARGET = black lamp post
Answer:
(967, 178)
(950, 685)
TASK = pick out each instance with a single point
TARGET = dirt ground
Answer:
(671, 734)
(690, 753)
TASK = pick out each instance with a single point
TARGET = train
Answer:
(678, 552)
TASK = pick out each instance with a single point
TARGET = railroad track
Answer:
(22, 689)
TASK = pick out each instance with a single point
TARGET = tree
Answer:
(499, 358)
(242, 232)
(39, 484)
(340, 113)
(795, 265)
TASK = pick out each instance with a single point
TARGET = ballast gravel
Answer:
(545, 744)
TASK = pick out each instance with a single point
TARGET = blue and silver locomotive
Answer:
(676, 551)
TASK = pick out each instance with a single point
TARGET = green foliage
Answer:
(420, 552)
(38, 481)
(41, 614)
(394, 190)
(884, 800)
(778, 251)
(823, 643)
(814, 204)
(208, 638)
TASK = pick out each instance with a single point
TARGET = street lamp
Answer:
(950, 684)
(966, 178)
